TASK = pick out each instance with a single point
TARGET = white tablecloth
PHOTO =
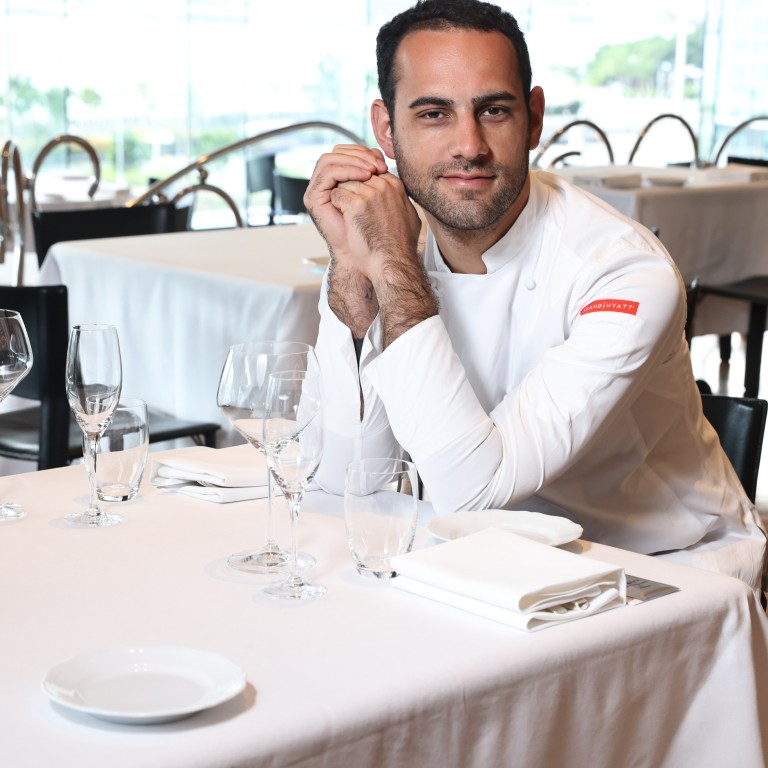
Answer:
(367, 675)
(180, 300)
(714, 226)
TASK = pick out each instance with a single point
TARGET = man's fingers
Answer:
(372, 155)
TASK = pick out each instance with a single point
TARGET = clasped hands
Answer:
(362, 211)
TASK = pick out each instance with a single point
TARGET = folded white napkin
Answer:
(221, 475)
(502, 576)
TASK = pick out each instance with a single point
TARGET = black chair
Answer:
(290, 194)
(47, 433)
(692, 292)
(740, 425)
(754, 291)
(54, 226)
(260, 177)
(756, 161)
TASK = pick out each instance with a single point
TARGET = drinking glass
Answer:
(293, 443)
(15, 363)
(242, 397)
(123, 449)
(380, 512)
(94, 379)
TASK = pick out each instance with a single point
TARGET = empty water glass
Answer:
(380, 512)
(122, 452)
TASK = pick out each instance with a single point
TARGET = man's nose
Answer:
(468, 139)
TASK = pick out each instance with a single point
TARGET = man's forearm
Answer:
(352, 298)
(405, 297)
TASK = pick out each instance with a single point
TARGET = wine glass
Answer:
(293, 443)
(242, 397)
(94, 380)
(15, 362)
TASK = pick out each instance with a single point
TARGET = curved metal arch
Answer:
(157, 187)
(66, 138)
(738, 128)
(11, 156)
(203, 186)
(562, 158)
(696, 159)
(556, 136)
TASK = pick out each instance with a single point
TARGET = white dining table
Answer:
(711, 220)
(367, 674)
(180, 300)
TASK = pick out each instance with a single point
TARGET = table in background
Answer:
(713, 222)
(180, 300)
(64, 193)
(366, 675)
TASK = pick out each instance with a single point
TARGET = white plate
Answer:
(149, 684)
(546, 529)
(317, 264)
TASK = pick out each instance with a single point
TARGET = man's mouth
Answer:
(467, 180)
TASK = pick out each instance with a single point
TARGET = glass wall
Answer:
(155, 84)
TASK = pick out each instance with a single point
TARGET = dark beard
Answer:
(471, 214)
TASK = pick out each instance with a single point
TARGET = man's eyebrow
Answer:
(477, 101)
(431, 101)
(489, 98)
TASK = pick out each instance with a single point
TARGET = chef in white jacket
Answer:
(530, 353)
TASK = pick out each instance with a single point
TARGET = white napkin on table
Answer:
(502, 576)
(229, 474)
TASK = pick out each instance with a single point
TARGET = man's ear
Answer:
(382, 127)
(536, 101)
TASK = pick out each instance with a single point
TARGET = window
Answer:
(157, 84)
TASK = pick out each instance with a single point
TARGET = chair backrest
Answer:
(44, 311)
(290, 194)
(54, 226)
(260, 173)
(740, 425)
(260, 176)
(737, 160)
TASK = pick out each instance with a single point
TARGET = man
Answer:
(533, 356)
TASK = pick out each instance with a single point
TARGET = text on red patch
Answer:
(611, 305)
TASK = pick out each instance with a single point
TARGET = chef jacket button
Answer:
(529, 283)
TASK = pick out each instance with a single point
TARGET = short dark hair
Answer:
(445, 15)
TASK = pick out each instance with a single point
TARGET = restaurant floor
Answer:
(728, 379)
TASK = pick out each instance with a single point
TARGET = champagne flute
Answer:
(293, 443)
(242, 397)
(15, 363)
(94, 380)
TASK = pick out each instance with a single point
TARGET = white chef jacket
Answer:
(559, 381)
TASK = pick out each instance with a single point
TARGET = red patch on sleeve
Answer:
(611, 305)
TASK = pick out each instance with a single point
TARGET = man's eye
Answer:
(433, 114)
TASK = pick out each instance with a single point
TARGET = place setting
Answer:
(272, 394)
(144, 685)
